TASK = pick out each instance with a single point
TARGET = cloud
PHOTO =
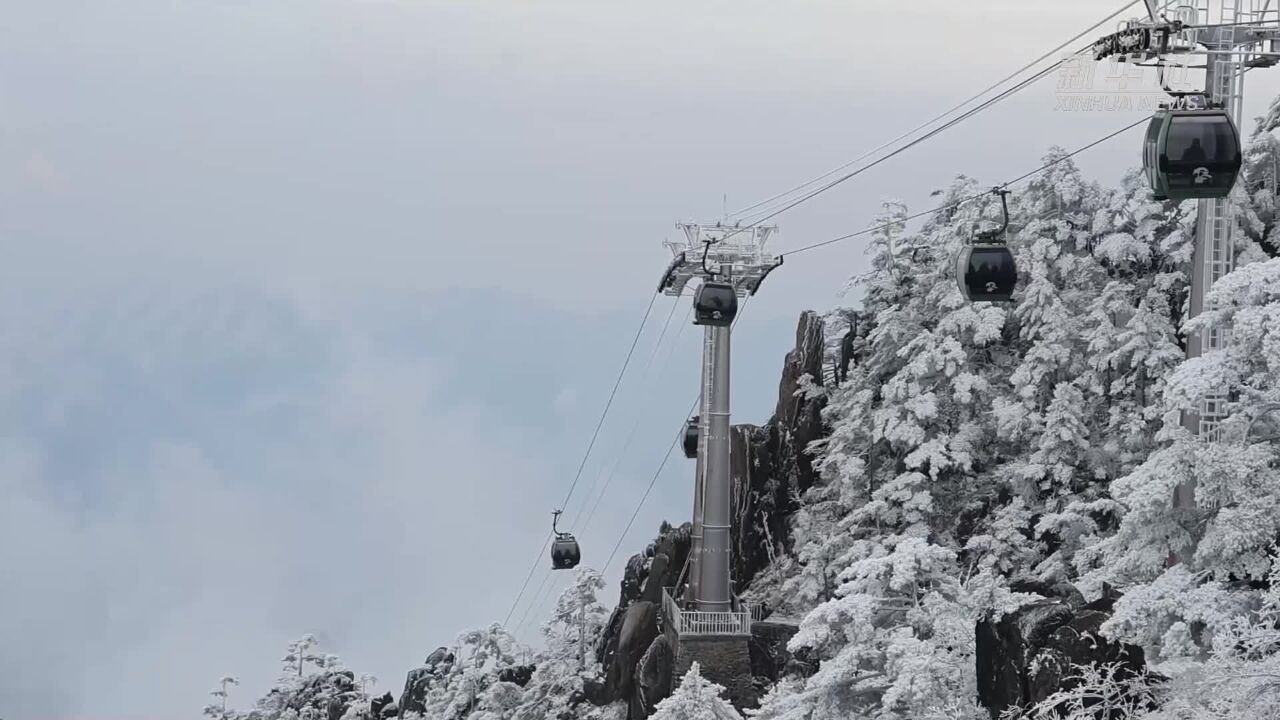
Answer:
(566, 401)
(196, 470)
(208, 496)
(38, 171)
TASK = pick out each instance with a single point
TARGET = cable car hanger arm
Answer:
(706, 248)
(992, 235)
(1004, 205)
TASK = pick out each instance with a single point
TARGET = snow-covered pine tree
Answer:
(299, 653)
(1048, 411)
(970, 434)
(361, 707)
(1134, 346)
(908, 429)
(467, 686)
(313, 685)
(820, 541)
(1241, 679)
(217, 710)
(696, 698)
(1224, 541)
(1260, 182)
(1181, 612)
(556, 686)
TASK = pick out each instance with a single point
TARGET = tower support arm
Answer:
(756, 285)
(669, 277)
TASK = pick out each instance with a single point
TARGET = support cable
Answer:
(537, 596)
(644, 376)
(665, 364)
(936, 118)
(665, 458)
(970, 198)
(591, 445)
(923, 138)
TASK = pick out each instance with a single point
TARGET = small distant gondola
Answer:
(565, 554)
(690, 442)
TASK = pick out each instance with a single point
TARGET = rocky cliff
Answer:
(1029, 654)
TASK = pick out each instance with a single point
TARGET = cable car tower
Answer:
(1239, 36)
(730, 262)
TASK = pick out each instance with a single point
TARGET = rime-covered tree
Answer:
(217, 710)
(571, 633)
(695, 699)
(1226, 538)
(472, 683)
(820, 539)
(312, 684)
(971, 444)
(909, 429)
(300, 653)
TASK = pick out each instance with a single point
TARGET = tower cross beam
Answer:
(725, 253)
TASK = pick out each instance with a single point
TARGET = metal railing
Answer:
(698, 622)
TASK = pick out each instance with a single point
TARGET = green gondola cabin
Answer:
(1191, 154)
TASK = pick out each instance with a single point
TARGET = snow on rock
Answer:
(412, 699)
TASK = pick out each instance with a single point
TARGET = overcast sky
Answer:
(308, 308)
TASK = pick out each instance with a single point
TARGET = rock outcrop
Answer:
(797, 420)
(383, 707)
(639, 628)
(1028, 655)
(770, 659)
(654, 678)
(325, 695)
(519, 675)
(771, 465)
(418, 679)
(634, 625)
